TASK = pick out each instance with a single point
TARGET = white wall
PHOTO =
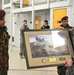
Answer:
(45, 15)
(41, 1)
(38, 2)
(0, 4)
(15, 0)
(17, 22)
(6, 1)
(72, 13)
(8, 24)
(15, 30)
(60, 4)
(26, 16)
(35, 1)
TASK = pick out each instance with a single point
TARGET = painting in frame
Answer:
(45, 48)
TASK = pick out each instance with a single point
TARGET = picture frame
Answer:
(47, 48)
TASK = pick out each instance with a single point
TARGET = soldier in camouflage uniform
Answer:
(70, 70)
(23, 27)
(4, 41)
(62, 69)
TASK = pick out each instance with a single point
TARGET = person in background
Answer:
(4, 42)
(45, 26)
(62, 69)
(64, 24)
(23, 27)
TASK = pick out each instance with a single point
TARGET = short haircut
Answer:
(46, 21)
(25, 21)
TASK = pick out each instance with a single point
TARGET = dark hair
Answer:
(25, 21)
(46, 21)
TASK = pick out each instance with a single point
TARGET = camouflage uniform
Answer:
(4, 57)
(70, 70)
(62, 69)
(22, 51)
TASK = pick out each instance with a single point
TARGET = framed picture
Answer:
(46, 48)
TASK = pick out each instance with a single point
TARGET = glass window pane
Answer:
(6, 1)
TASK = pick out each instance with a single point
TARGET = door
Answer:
(8, 24)
(37, 22)
(26, 2)
(57, 15)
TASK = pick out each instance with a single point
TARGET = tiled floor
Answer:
(17, 66)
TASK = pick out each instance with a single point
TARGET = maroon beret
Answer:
(2, 13)
(64, 18)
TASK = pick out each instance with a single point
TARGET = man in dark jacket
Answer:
(62, 69)
(4, 41)
(45, 26)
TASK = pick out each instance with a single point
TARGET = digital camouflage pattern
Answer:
(62, 70)
(4, 41)
(70, 70)
(22, 51)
